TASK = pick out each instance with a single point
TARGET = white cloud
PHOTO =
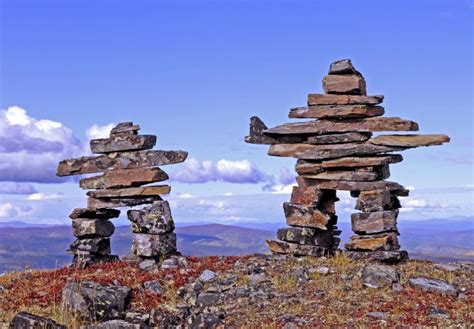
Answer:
(44, 196)
(96, 131)
(16, 188)
(10, 211)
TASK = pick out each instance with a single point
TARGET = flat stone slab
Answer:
(257, 135)
(348, 125)
(306, 235)
(82, 227)
(374, 222)
(83, 261)
(336, 111)
(98, 246)
(105, 213)
(328, 99)
(303, 167)
(350, 84)
(346, 175)
(130, 192)
(361, 186)
(338, 138)
(382, 256)
(153, 245)
(361, 161)
(300, 215)
(385, 241)
(124, 127)
(120, 202)
(120, 178)
(432, 285)
(154, 219)
(410, 140)
(283, 247)
(123, 160)
(122, 143)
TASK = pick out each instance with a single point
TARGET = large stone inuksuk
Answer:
(127, 163)
(338, 151)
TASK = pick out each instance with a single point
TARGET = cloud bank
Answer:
(16, 188)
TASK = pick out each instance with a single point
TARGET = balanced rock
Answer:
(336, 111)
(97, 245)
(155, 219)
(84, 227)
(338, 138)
(123, 143)
(130, 192)
(104, 213)
(299, 215)
(121, 178)
(153, 245)
(283, 247)
(95, 203)
(384, 241)
(410, 140)
(331, 99)
(344, 84)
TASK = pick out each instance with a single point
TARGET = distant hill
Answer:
(23, 247)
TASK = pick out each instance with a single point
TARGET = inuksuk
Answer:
(127, 163)
(338, 151)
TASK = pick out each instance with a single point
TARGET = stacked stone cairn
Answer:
(127, 163)
(338, 151)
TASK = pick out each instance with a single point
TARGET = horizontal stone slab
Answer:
(360, 186)
(282, 247)
(123, 143)
(347, 125)
(154, 219)
(336, 111)
(130, 192)
(104, 213)
(359, 161)
(343, 66)
(300, 215)
(257, 136)
(121, 202)
(328, 99)
(120, 178)
(153, 245)
(350, 84)
(305, 235)
(386, 257)
(370, 201)
(410, 140)
(97, 246)
(124, 160)
(84, 261)
(338, 138)
(347, 175)
(82, 227)
(385, 241)
(306, 167)
(329, 151)
(374, 222)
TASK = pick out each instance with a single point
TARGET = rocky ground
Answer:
(253, 291)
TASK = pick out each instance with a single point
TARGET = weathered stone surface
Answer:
(346, 175)
(336, 111)
(306, 235)
(338, 138)
(330, 151)
(120, 202)
(124, 127)
(385, 241)
(153, 245)
(123, 160)
(257, 136)
(374, 222)
(299, 215)
(410, 140)
(379, 276)
(387, 257)
(121, 178)
(360, 186)
(130, 192)
(343, 66)
(305, 193)
(117, 324)
(347, 125)
(83, 227)
(370, 201)
(122, 143)
(104, 213)
(350, 84)
(432, 285)
(90, 301)
(24, 320)
(100, 246)
(155, 219)
(306, 167)
(329, 99)
(283, 247)
(360, 161)
(82, 261)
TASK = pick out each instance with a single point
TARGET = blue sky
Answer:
(194, 72)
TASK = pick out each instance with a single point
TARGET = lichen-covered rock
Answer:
(432, 285)
(154, 219)
(379, 276)
(117, 324)
(83, 227)
(24, 320)
(90, 301)
(153, 245)
(97, 246)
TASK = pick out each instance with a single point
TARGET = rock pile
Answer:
(127, 163)
(337, 151)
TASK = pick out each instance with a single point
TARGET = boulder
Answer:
(121, 178)
(350, 84)
(339, 138)
(435, 286)
(122, 160)
(331, 99)
(91, 302)
(104, 213)
(153, 245)
(154, 219)
(379, 276)
(131, 192)
(122, 143)
(83, 227)
(374, 222)
(24, 320)
(336, 111)
(299, 215)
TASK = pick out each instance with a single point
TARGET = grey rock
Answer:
(148, 264)
(447, 267)
(434, 312)
(160, 319)
(376, 315)
(432, 285)
(153, 286)
(24, 320)
(104, 213)
(343, 66)
(117, 324)
(151, 245)
(206, 299)
(90, 301)
(154, 219)
(97, 246)
(122, 143)
(207, 276)
(83, 227)
(379, 276)
(137, 317)
(174, 262)
(86, 260)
